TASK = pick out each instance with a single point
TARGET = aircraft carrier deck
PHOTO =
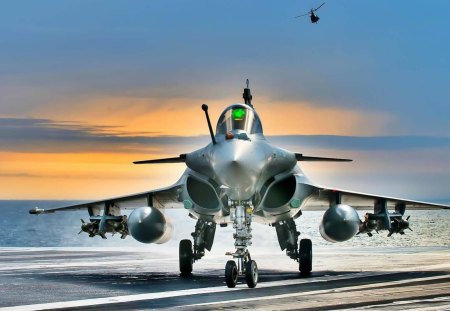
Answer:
(106, 279)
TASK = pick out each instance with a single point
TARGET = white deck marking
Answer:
(62, 263)
(179, 293)
(406, 304)
(321, 291)
(217, 289)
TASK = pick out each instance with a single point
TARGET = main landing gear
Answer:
(242, 264)
(186, 257)
(241, 215)
(203, 239)
(305, 257)
(287, 238)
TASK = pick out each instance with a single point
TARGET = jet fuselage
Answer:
(242, 167)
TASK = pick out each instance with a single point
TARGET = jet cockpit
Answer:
(237, 120)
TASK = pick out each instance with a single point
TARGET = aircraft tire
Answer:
(231, 274)
(186, 257)
(305, 260)
(251, 273)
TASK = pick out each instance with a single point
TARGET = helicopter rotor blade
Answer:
(301, 15)
(318, 7)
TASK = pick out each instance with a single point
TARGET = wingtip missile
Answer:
(38, 211)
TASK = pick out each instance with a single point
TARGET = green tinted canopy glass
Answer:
(239, 117)
(238, 114)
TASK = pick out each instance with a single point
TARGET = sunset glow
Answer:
(87, 89)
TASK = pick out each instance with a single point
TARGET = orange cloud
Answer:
(178, 116)
(288, 118)
(80, 176)
(89, 175)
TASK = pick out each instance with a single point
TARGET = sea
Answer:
(431, 228)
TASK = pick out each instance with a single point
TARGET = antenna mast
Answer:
(205, 109)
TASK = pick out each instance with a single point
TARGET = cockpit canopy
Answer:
(239, 117)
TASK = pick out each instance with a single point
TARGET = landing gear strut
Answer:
(288, 239)
(203, 239)
(241, 215)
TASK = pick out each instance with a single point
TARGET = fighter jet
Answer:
(237, 179)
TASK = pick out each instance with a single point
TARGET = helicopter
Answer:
(312, 15)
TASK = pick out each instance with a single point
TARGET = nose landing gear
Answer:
(242, 219)
(246, 267)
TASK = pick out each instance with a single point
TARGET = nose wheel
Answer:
(232, 273)
(251, 273)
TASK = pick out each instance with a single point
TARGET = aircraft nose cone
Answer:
(237, 165)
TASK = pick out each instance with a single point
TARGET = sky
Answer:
(87, 87)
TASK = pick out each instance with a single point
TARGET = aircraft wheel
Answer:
(186, 257)
(251, 273)
(305, 262)
(231, 274)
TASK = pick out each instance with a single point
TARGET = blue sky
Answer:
(377, 55)
(100, 64)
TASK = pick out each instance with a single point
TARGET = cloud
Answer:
(78, 175)
(49, 136)
(19, 175)
(363, 143)
(147, 48)
(44, 158)
(177, 116)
